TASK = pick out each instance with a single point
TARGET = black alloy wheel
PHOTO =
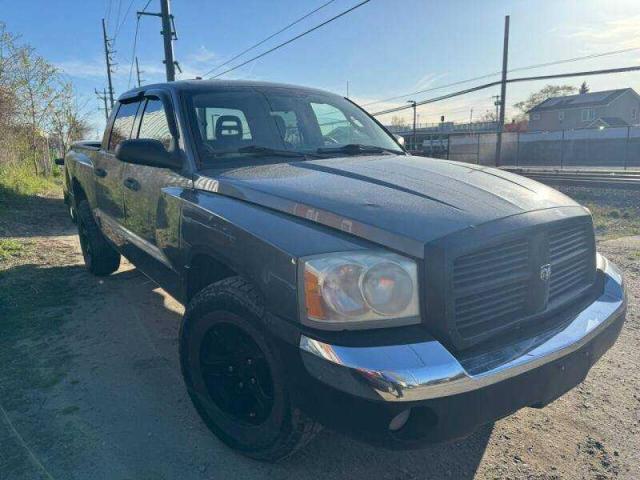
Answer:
(236, 374)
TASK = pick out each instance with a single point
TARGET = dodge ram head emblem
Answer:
(545, 272)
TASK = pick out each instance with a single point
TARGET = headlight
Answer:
(351, 289)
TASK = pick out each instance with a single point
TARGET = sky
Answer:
(382, 49)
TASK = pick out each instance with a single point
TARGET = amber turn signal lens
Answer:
(313, 296)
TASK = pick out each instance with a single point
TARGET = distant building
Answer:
(610, 108)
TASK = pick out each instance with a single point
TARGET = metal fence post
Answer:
(478, 151)
(448, 146)
(562, 151)
(587, 141)
(517, 149)
(626, 148)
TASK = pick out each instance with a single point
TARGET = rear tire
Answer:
(100, 257)
(235, 376)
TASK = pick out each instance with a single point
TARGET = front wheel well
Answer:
(203, 271)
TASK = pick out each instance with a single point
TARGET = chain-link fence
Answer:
(606, 148)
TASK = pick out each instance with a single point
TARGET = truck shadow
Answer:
(329, 455)
(33, 216)
(112, 361)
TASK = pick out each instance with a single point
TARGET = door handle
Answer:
(132, 184)
(100, 172)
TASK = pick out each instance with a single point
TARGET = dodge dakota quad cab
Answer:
(329, 277)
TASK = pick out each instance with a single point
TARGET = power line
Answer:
(124, 19)
(269, 37)
(294, 38)
(107, 12)
(135, 42)
(509, 80)
(133, 52)
(575, 59)
(519, 69)
(118, 14)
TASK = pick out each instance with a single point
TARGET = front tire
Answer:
(100, 258)
(235, 375)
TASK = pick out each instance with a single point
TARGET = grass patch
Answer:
(612, 222)
(10, 248)
(20, 186)
(20, 180)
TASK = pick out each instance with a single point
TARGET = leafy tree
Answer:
(36, 87)
(584, 88)
(38, 110)
(536, 98)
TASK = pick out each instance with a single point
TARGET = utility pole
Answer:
(496, 103)
(169, 35)
(415, 140)
(503, 91)
(471, 119)
(103, 96)
(347, 88)
(138, 73)
(107, 56)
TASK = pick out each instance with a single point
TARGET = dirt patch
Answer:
(90, 387)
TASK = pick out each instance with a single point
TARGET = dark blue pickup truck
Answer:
(332, 279)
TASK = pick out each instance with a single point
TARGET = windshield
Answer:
(282, 123)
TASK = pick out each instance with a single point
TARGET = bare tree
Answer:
(68, 120)
(489, 116)
(398, 121)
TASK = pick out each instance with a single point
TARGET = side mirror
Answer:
(399, 139)
(145, 151)
(59, 161)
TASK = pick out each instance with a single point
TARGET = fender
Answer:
(248, 239)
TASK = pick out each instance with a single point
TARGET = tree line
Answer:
(39, 112)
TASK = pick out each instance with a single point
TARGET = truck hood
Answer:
(387, 199)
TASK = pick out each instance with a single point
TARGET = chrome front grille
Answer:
(500, 287)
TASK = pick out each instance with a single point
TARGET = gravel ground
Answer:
(90, 385)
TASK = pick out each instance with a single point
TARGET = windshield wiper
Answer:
(357, 149)
(260, 150)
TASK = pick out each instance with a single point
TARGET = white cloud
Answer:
(82, 68)
(202, 55)
(428, 80)
(614, 34)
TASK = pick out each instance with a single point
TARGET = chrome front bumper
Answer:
(422, 371)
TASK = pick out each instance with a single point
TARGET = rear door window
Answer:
(123, 124)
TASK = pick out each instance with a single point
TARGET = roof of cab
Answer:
(212, 85)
